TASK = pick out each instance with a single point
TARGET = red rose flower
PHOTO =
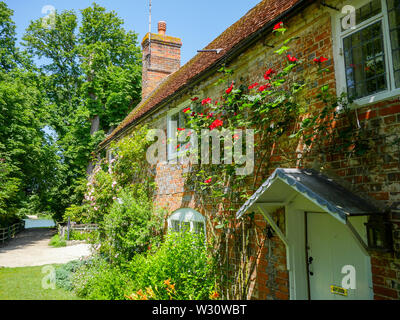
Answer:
(278, 26)
(186, 110)
(210, 115)
(268, 73)
(291, 59)
(264, 87)
(206, 101)
(252, 86)
(320, 59)
(217, 123)
(208, 180)
(229, 90)
(181, 129)
(195, 98)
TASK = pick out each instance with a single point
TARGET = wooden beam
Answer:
(357, 237)
(271, 204)
(274, 226)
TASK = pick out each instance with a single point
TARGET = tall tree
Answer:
(7, 38)
(92, 76)
(28, 159)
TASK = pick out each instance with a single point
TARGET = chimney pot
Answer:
(162, 27)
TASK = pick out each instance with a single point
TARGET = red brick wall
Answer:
(164, 59)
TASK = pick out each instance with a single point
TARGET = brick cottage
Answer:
(328, 216)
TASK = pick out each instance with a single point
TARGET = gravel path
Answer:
(31, 248)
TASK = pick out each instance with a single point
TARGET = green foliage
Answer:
(180, 269)
(118, 198)
(26, 284)
(92, 71)
(28, 159)
(78, 235)
(8, 50)
(76, 213)
(99, 280)
(131, 226)
(57, 242)
(9, 188)
(130, 161)
(64, 274)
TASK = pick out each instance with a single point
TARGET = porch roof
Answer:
(318, 188)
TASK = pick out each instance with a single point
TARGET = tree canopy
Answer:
(73, 80)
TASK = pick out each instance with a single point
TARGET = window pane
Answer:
(392, 4)
(198, 227)
(394, 26)
(397, 78)
(175, 225)
(367, 11)
(365, 61)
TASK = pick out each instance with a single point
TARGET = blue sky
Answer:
(197, 23)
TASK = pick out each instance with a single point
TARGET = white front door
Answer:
(330, 248)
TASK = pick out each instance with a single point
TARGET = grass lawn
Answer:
(26, 284)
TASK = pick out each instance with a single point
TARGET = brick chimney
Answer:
(163, 58)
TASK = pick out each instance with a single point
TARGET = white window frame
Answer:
(338, 52)
(187, 215)
(172, 142)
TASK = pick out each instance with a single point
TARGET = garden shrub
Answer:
(78, 235)
(97, 279)
(131, 226)
(180, 269)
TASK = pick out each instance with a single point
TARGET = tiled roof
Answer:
(265, 12)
